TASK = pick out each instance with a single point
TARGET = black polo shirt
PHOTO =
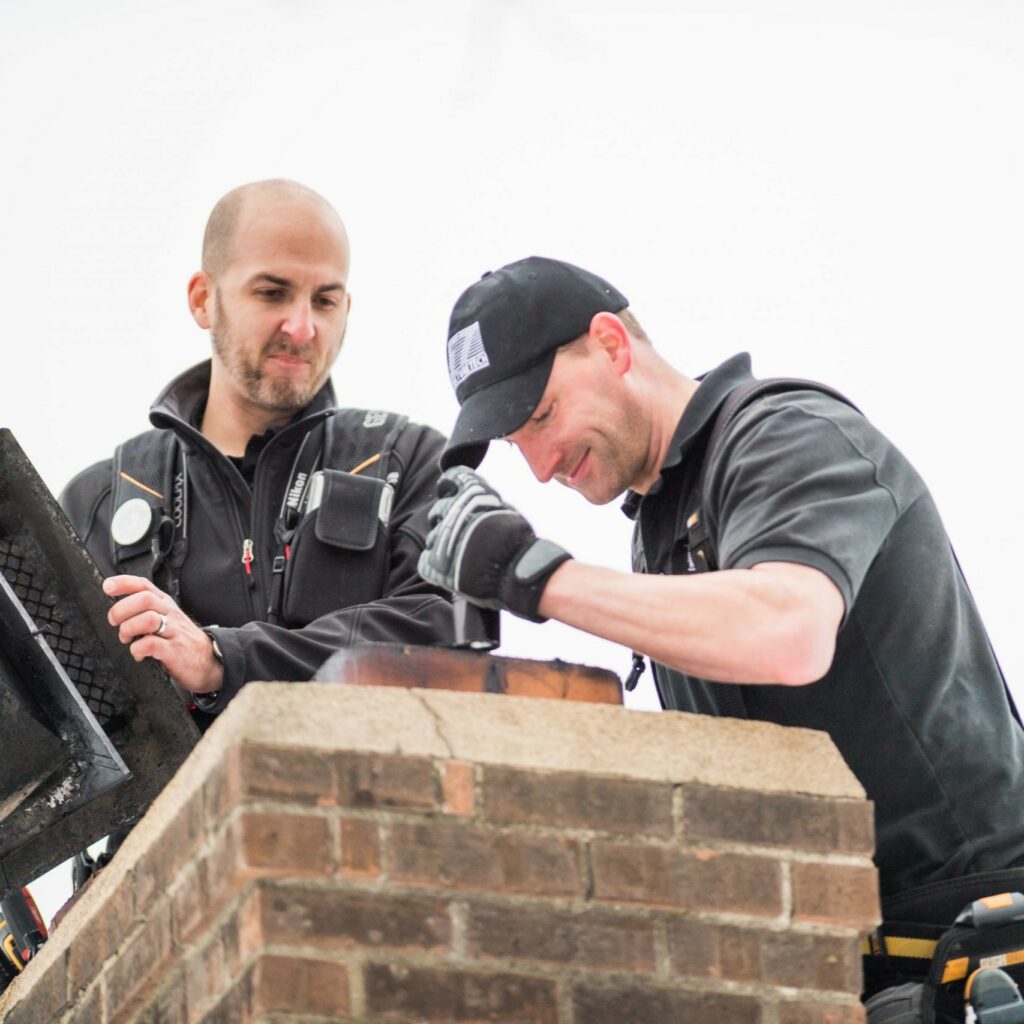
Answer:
(914, 700)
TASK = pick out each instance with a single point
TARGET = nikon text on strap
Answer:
(149, 500)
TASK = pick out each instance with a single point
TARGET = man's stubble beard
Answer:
(623, 455)
(273, 394)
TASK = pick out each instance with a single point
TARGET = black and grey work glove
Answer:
(482, 549)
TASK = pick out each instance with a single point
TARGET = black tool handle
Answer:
(476, 629)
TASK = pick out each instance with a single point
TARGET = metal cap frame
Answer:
(88, 737)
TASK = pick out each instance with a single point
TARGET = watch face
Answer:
(217, 652)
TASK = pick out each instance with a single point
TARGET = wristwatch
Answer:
(206, 701)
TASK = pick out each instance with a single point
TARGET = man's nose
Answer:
(541, 458)
(298, 324)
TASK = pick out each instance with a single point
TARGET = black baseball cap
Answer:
(502, 338)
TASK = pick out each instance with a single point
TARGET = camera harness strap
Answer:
(149, 524)
(293, 504)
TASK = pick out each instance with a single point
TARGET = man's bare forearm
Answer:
(775, 623)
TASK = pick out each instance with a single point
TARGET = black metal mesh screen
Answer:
(42, 605)
(75, 783)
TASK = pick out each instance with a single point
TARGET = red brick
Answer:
(703, 949)
(168, 853)
(300, 985)
(648, 1005)
(204, 887)
(571, 800)
(700, 949)
(825, 962)
(836, 893)
(458, 788)
(816, 824)
(422, 994)
(286, 773)
(209, 969)
(339, 919)
(591, 939)
(189, 901)
(145, 953)
(360, 848)
(34, 998)
(381, 781)
(169, 1007)
(820, 1013)
(222, 790)
(206, 977)
(222, 868)
(294, 843)
(88, 1007)
(106, 929)
(237, 1005)
(692, 880)
(463, 857)
(244, 938)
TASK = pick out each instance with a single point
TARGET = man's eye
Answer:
(326, 302)
(271, 294)
(542, 417)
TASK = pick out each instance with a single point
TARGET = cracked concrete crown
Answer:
(533, 733)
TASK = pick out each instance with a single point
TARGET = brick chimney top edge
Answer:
(534, 733)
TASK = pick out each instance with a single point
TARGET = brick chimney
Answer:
(370, 854)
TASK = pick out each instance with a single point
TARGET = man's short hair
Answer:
(633, 325)
(630, 322)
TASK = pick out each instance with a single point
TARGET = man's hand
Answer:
(180, 645)
(482, 549)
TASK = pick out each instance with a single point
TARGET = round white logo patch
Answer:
(131, 521)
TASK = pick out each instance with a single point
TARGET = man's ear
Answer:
(610, 335)
(200, 294)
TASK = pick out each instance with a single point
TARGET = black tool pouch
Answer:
(961, 951)
(339, 553)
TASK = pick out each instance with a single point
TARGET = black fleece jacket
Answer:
(336, 593)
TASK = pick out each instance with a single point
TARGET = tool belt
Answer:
(948, 946)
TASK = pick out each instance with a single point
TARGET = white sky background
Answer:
(835, 187)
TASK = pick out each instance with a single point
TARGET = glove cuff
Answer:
(530, 575)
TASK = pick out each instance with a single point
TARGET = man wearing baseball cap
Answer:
(836, 604)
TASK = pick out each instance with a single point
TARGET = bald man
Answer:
(257, 528)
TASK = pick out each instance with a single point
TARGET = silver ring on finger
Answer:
(163, 625)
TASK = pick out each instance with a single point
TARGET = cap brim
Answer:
(494, 411)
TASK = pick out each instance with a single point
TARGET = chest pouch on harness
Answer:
(352, 510)
(335, 551)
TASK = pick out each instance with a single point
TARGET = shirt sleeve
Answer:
(802, 477)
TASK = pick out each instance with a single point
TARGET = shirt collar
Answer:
(700, 410)
(181, 403)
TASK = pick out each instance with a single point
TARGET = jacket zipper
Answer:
(222, 472)
(247, 560)
(250, 576)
